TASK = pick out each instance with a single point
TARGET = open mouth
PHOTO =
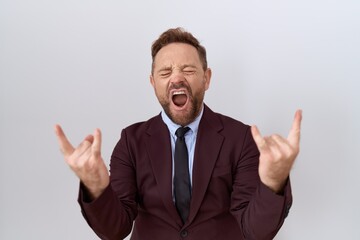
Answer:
(179, 98)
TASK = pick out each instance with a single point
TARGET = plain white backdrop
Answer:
(86, 64)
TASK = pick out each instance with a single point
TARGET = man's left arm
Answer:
(261, 196)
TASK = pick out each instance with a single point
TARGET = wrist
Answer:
(92, 192)
(275, 186)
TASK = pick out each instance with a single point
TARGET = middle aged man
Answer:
(233, 183)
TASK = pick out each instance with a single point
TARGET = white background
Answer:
(86, 64)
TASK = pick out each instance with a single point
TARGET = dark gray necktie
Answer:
(182, 188)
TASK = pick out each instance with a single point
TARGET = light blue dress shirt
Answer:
(190, 139)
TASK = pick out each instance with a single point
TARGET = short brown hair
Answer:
(178, 35)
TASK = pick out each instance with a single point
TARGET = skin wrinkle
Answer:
(178, 66)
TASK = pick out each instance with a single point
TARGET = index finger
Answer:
(65, 146)
(294, 134)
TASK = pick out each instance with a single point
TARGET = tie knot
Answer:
(180, 132)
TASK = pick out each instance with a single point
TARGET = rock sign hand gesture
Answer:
(86, 161)
(277, 154)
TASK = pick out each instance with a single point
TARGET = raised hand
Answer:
(277, 154)
(86, 161)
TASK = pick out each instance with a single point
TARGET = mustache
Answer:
(178, 86)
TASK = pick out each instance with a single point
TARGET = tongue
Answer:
(180, 99)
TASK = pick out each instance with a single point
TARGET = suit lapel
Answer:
(208, 145)
(159, 149)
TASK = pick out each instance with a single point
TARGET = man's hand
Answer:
(86, 161)
(277, 154)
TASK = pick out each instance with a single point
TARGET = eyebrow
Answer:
(188, 65)
(169, 68)
(166, 68)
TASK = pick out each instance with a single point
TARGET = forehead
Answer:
(177, 53)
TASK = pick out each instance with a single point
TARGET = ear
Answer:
(207, 76)
(152, 81)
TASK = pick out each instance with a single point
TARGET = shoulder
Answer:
(227, 123)
(138, 133)
(145, 127)
(236, 134)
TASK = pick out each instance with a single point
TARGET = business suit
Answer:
(228, 200)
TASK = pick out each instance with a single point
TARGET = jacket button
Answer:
(183, 233)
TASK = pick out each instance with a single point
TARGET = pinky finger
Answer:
(259, 140)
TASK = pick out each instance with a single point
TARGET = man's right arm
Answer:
(106, 213)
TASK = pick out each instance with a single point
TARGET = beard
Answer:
(188, 115)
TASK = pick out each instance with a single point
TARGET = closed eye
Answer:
(189, 71)
(164, 73)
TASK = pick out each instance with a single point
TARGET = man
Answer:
(235, 184)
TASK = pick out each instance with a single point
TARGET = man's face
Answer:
(180, 81)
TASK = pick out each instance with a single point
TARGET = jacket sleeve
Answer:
(258, 210)
(112, 214)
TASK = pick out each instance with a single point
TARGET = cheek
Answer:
(198, 86)
(160, 88)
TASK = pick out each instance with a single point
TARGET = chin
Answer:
(183, 117)
(182, 120)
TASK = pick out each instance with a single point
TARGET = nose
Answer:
(177, 77)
